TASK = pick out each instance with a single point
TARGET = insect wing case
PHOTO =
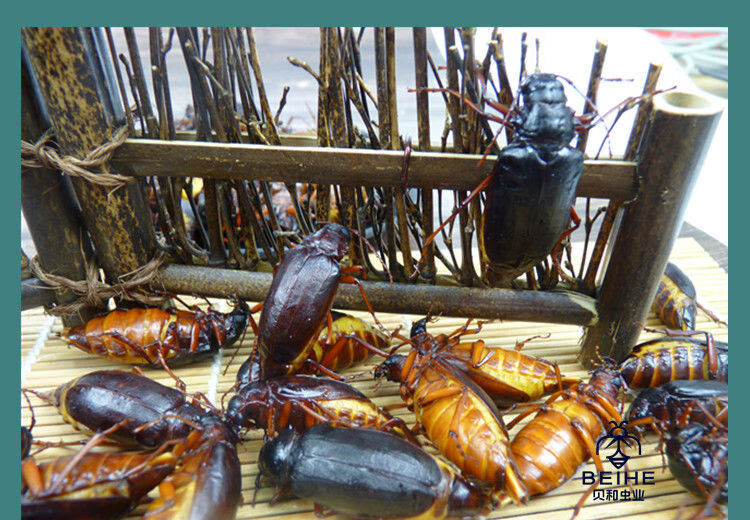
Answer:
(699, 460)
(361, 473)
(300, 296)
(534, 184)
(101, 399)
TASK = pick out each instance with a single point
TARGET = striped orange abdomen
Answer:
(353, 351)
(508, 376)
(662, 360)
(466, 427)
(548, 451)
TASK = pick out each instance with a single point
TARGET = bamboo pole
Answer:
(118, 222)
(144, 157)
(636, 132)
(676, 139)
(60, 239)
(509, 304)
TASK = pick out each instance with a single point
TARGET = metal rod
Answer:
(509, 304)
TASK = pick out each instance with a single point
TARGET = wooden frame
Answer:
(678, 131)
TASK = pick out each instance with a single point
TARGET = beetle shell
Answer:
(533, 185)
(675, 299)
(99, 400)
(367, 474)
(96, 508)
(699, 460)
(668, 403)
(300, 297)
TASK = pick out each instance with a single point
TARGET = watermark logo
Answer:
(618, 434)
(618, 437)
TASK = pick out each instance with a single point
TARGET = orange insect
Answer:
(456, 415)
(346, 342)
(550, 448)
(508, 376)
(90, 485)
(154, 336)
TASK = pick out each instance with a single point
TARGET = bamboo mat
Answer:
(48, 362)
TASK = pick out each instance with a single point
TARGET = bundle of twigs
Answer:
(237, 223)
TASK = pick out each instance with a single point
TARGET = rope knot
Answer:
(44, 154)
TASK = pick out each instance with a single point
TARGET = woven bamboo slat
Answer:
(56, 363)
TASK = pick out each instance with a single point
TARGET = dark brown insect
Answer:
(300, 299)
(155, 336)
(457, 416)
(90, 485)
(551, 447)
(98, 400)
(207, 481)
(661, 360)
(508, 376)
(368, 474)
(698, 458)
(303, 401)
(674, 405)
(675, 299)
(349, 343)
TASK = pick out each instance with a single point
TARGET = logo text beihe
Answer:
(620, 478)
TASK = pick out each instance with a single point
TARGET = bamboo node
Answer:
(42, 154)
(93, 292)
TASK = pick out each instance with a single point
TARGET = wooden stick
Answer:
(423, 124)
(614, 205)
(672, 149)
(145, 157)
(510, 304)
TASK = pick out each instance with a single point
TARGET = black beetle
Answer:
(367, 474)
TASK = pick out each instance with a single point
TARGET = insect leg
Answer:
(585, 436)
(482, 185)
(320, 368)
(351, 279)
(520, 345)
(430, 396)
(180, 383)
(518, 418)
